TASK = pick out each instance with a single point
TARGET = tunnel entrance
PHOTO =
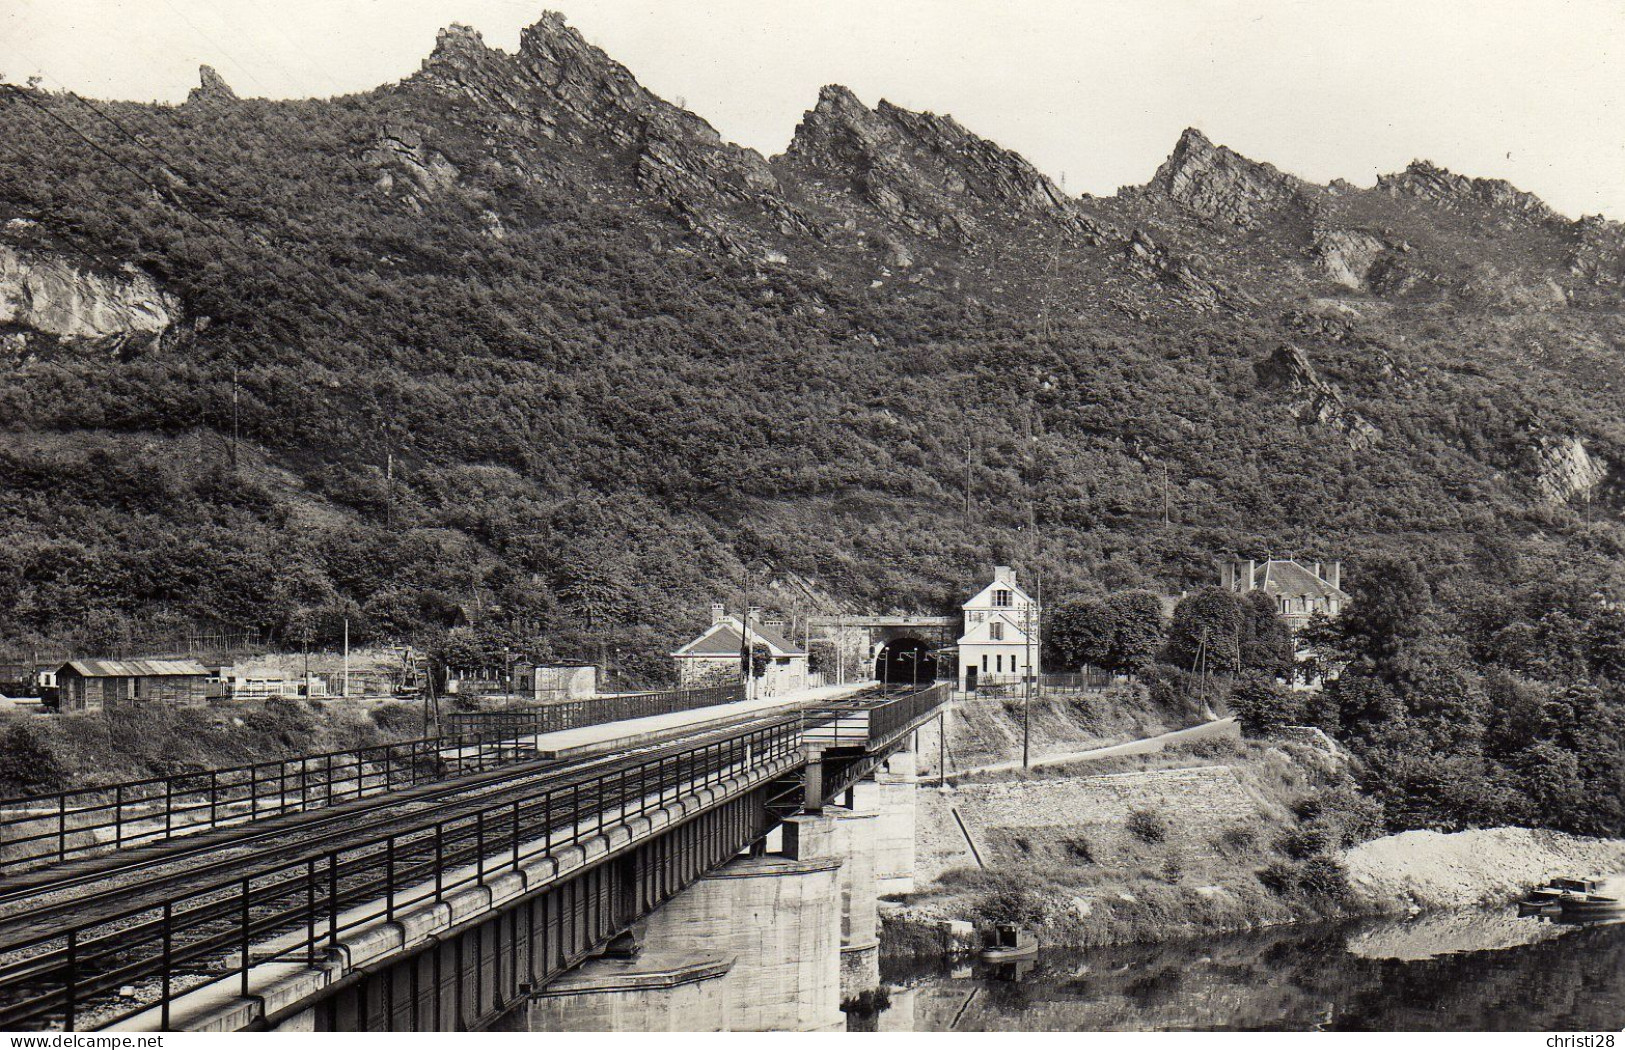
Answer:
(905, 661)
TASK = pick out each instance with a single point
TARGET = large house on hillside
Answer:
(713, 657)
(1298, 591)
(1001, 632)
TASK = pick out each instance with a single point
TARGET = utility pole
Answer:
(1165, 494)
(346, 657)
(234, 419)
(1027, 701)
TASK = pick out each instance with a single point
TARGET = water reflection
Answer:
(1471, 971)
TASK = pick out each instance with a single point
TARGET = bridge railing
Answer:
(84, 821)
(574, 714)
(895, 717)
(295, 908)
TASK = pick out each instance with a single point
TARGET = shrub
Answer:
(1356, 817)
(1173, 869)
(1013, 902)
(1147, 825)
(399, 721)
(1236, 841)
(1263, 707)
(1279, 877)
(1324, 876)
(1080, 849)
(28, 764)
(1307, 840)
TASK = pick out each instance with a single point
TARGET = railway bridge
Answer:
(709, 863)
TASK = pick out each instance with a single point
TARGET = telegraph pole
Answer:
(1027, 702)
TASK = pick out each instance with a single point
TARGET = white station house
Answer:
(996, 643)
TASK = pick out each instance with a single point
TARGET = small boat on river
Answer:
(1010, 943)
(1574, 899)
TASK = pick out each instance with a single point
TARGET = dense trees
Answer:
(1118, 633)
(1220, 632)
(1467, 704)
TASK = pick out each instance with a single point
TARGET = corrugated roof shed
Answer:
(135, 668)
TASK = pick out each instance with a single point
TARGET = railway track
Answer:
(69, 946)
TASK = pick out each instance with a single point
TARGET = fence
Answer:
(573, 714)
(294, 909)
(83, 821)
(1014, 685)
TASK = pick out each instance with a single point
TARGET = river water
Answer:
(1475, 971)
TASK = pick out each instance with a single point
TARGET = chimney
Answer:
(1227, 575)
(1004, 574)
(1318, 574)
(1334, 575)
(1251, 575)
(718, 613)
(754, 615)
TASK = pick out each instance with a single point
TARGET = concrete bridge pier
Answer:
(895, 785)
(754, 946)
(856, 824)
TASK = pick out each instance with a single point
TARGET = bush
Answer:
(1013, 902)
(398, 721)
(1324, 876)
(1280, 877)
(28, 764)
(1263, 707)
(1357, 817)
(1147, 825)
(1236, 841)
(1173, 869)
(1080, 849)
(1308, 840)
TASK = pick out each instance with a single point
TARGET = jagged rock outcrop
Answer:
(48, 300)
(923, 174)
(1562, 469)
(1362, 261)
(212, 89)
(1150, 260)
(1220, 184)
(403, 160)
(558, 87)
(1599, 251)
(1427, 181)
(1314, 401)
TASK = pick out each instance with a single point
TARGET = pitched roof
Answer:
(1290, 579)
(135, 668)
(722, 639)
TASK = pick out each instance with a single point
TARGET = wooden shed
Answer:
(95, 685)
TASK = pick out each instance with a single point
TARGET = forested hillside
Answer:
(516, 344)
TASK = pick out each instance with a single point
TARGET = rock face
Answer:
(47, 300)
(1563, 469)
(212, 89)
(920, 174)
(1362, 261)
(1426, 181)
(559, 88)
(404, 161)
(1314, 401)
(1221, 185)
(1157, 263)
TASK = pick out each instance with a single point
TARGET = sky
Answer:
(1094, 92)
